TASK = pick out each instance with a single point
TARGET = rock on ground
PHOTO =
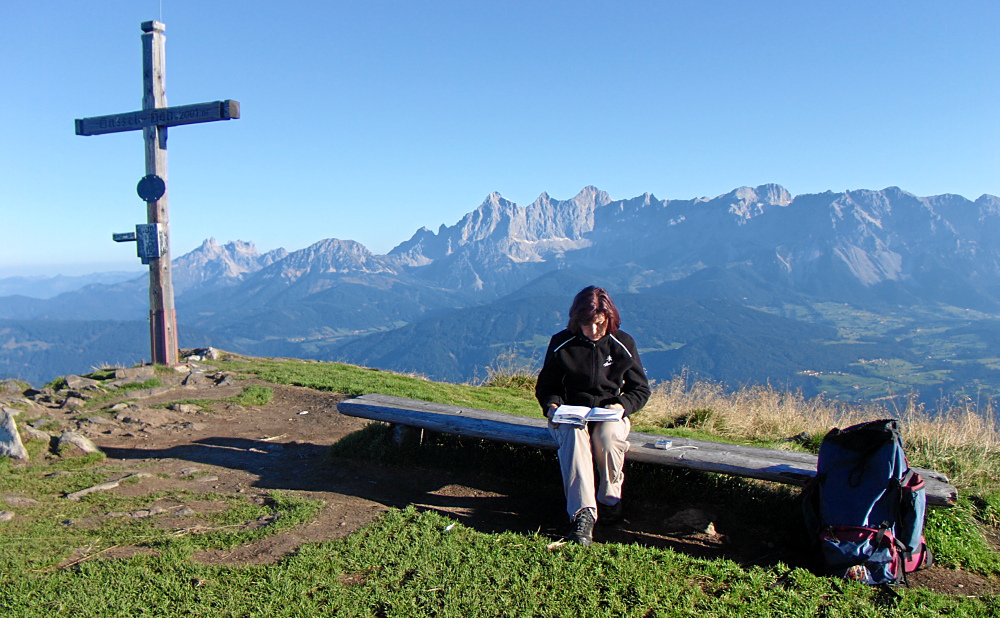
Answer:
(10, 440)
(72, 439)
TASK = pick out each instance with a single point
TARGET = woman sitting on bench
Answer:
(592, 364)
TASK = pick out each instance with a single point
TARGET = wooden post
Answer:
(154, 118)
(162, 315)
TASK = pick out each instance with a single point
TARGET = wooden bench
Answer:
(788, 467)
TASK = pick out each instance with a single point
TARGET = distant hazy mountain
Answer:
(445, 303)
(47, 287)
(207, 268)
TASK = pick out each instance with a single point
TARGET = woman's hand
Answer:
(552, 410)
(615, 406)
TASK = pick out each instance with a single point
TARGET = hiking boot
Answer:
(581, 531)
(609, 513)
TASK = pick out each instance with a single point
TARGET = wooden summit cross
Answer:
(153, 238)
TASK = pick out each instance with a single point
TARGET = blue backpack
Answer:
(865, 508)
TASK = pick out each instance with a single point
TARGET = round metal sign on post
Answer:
(151, 188)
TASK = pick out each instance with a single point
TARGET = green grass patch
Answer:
(352, 380)
(423, 564)
(956, 537)
(254, 395)
(101, 374)
(411, 563)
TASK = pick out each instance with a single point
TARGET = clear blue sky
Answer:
(368, 120)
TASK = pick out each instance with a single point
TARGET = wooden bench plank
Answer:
(788, 467)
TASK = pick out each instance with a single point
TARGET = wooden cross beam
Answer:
(165, 117)
(153, 120)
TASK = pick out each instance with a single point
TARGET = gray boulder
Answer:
(10, 440)
(70, 441)
(77, 383)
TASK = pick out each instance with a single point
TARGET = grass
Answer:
(960, 441)
(423, 564)
(353, 380)
(101, 400)
(252, 395)
(956, 438)
(410, 563)
(52, 529)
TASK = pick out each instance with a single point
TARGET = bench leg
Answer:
(404, 435)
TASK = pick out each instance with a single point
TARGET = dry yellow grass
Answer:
(960, 439)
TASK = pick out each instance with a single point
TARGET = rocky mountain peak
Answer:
(212, 264)
(746, 202)
(330, 256)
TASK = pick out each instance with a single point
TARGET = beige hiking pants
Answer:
(582, 450)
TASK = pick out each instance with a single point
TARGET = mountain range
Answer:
(754, 285)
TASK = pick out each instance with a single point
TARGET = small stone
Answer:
(185, 408)
(186, 511)
(143, 372)
(148, 392)
(76, 382)
(196, 378)
(34, 434)
(19, 501)
(73, 403)
(100, 420)
(188, 471)
(207, 479)
(73, 439)
(11, 386)
(153, 417)
(692, 520)
(6, 516)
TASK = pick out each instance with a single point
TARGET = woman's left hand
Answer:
(615, 406)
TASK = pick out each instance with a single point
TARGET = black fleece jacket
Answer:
(581, 372)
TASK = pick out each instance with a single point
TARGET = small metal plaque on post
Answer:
(150, 241)
(151, 188)
(123, 237)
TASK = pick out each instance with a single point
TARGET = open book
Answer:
(581, 415)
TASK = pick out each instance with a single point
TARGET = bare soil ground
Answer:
(284, 445)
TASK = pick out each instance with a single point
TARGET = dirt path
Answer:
(284, 445)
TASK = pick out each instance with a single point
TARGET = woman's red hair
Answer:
(589, 302)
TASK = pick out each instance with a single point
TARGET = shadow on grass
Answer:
(498, 487)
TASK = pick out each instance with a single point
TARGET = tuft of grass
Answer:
(56, 384)
(100, 401)
(102, 373)
(509, 370)
(254, 395)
